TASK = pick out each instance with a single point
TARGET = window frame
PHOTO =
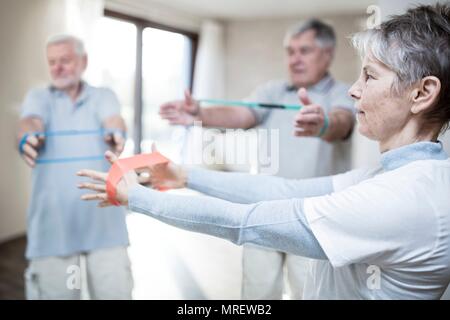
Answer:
(141, 24)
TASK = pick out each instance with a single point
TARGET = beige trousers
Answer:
(105, 274)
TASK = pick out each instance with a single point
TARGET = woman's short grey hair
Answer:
(67, 38)
(325, 35)
(414, 45)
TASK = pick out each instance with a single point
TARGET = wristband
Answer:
(325, 126)
(22, 142)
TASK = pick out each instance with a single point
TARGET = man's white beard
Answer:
(64, 83)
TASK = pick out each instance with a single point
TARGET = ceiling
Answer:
(254, 9)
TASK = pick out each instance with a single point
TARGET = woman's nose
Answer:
(355, 91)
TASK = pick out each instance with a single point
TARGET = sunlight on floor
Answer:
(169, 263)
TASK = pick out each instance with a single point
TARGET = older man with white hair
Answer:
(62, 229)
(310, 140)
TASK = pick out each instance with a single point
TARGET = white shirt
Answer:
(386, 235)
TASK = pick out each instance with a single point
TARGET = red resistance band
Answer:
(122, 166)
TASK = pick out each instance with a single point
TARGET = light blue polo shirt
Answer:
(59, 223)
(301, 157)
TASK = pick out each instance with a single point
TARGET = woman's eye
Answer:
(368, 77)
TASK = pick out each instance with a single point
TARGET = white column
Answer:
(209, 68)
(209, 82)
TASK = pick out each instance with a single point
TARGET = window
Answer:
(145, 64)
(112, 63)
(165, 76)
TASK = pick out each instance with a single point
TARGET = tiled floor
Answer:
(12, 265)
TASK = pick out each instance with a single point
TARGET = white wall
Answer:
(24, 27)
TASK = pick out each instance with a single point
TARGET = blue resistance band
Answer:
(264, 105)
(61, 133)
(252, 104)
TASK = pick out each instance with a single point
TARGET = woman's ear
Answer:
(425, 94)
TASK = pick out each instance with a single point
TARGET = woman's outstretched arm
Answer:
(278, 224)
(248, 188)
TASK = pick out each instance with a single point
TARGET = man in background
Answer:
(61, 228)
(310, 139)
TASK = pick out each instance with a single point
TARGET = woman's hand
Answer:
(128, 180)
(165, 176)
